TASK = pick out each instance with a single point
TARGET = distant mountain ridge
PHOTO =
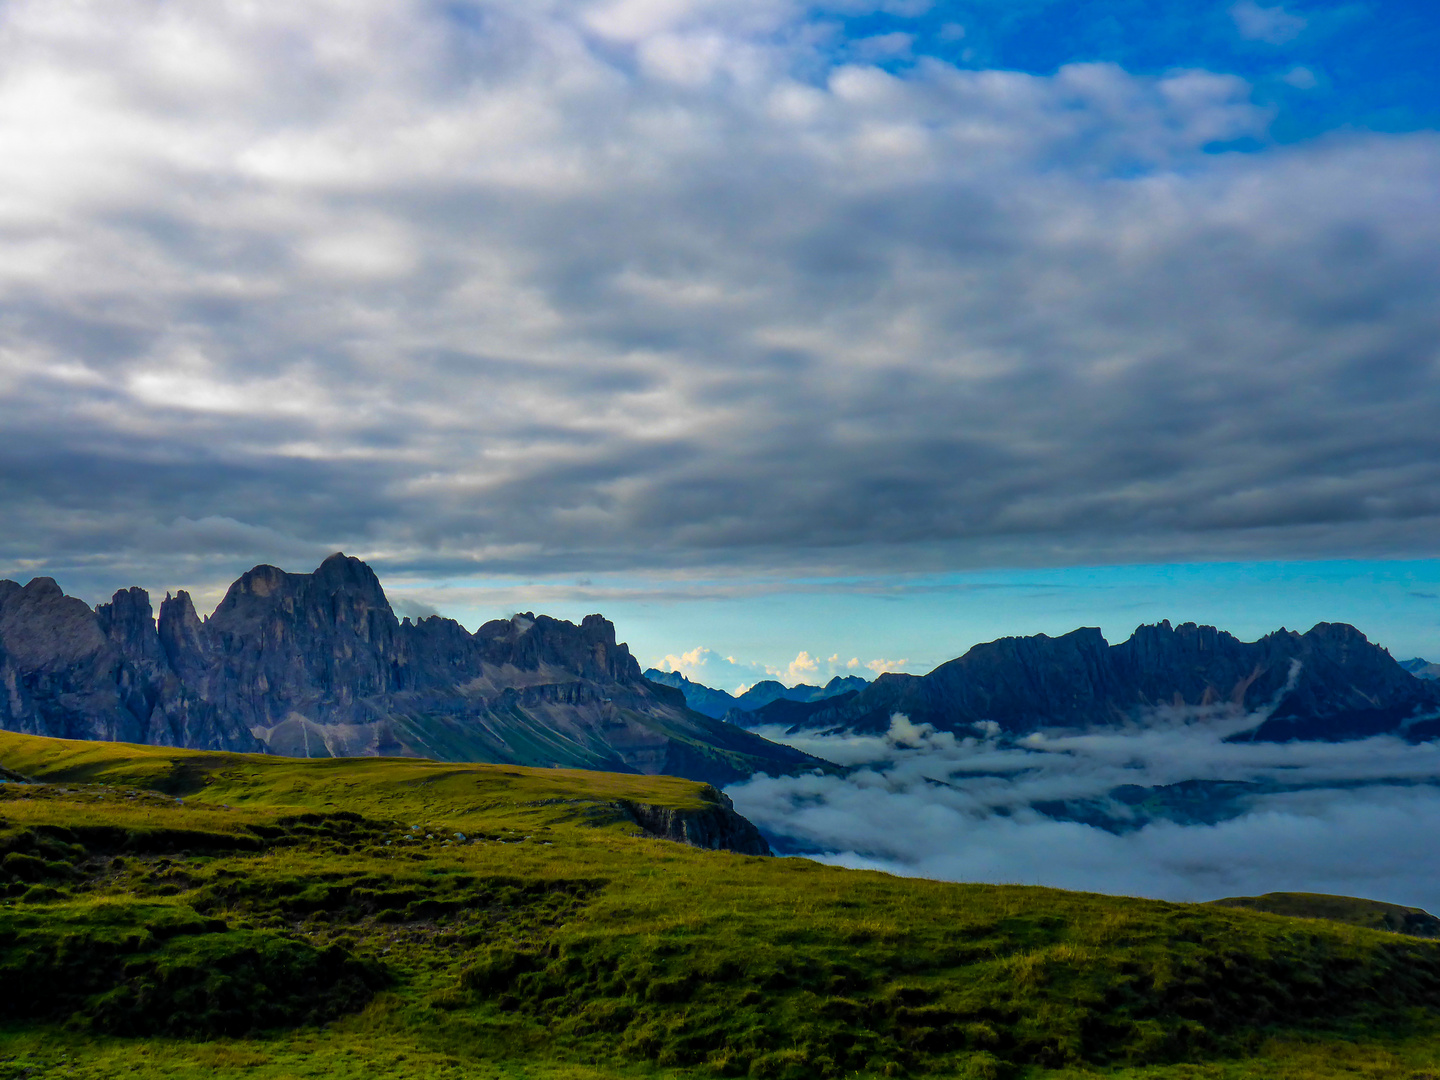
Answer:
(317, 665)
(1329, 683)
(719, 704)
(1421, 669)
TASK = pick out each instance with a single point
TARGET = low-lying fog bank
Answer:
(1171, 810)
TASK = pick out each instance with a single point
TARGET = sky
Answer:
(786, 335)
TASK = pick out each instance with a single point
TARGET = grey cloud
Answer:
(1272, 25)
(410, 607)
(499, 294)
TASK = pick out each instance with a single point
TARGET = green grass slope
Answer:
(173, 913)
(1346, 909)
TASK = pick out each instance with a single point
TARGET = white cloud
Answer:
(880, 666)
(704, 666)
(1272, 25)
(803, 668)
(687, 60)
(690, 664)
(1321, 818)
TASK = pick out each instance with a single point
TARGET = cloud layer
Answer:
(572, 287)
(1349, 818)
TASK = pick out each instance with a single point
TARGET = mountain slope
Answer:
(1329, 683)
(317, 665)
(1421, 669)
(1375, 914)
(408, 919)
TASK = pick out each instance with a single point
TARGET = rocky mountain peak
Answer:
(1339, 636)
(129, 622)
(317, 665)
(40, 589)
(263, 580)
(43, 628)
(341, 573)
(183, 639)
(528, 642)
(1330, 682)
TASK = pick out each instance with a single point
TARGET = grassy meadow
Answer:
(171, 913)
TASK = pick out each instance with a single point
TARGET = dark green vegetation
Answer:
(178, 913)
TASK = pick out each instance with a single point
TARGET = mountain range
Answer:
(1329, 683)
(318, 665)
(721, 705)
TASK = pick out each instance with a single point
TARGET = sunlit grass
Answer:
(494, 921)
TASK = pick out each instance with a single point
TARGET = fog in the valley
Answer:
(1355, 818)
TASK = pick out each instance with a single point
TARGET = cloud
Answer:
(682, 288)
(1302, 78)
(412, 608)
(704, 666)
(803, 668)
(690, 664)
(883, 47)
(880, 666)
(1272, 25)
(1310, 817)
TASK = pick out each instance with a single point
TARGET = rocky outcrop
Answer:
(716, 827)
(1329, 683)
(317, 665)
(68, 671)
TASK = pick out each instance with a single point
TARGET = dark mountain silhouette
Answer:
(767, 690)
(317, 665)
(718, 703)
(1330, 683)
(793, 714)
